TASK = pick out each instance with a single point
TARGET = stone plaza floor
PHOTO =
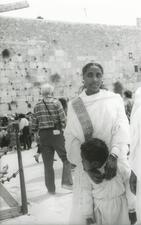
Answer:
(42, 207)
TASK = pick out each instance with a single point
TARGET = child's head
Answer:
(94, 153)
(94, 150)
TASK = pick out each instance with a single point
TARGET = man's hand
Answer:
(111, 167)
(133, 182)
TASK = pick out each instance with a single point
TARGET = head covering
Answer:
(135, 124)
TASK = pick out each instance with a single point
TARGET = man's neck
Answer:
(46, 98)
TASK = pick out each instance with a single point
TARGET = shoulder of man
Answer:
(55, 101)
(38, 104)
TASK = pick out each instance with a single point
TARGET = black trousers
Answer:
(5, 141)
(49, 143)
(25, 137)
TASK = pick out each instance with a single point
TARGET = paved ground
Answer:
(42, 208)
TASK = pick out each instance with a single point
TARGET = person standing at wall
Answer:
(128, 102)
(24, 129)
(49, 120)
(29, 118)
(118, 88)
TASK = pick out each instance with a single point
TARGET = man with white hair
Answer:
(49, 121)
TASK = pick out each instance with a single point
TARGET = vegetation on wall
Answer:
(55, 78)
(5, 53)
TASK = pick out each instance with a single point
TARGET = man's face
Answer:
(93, 79)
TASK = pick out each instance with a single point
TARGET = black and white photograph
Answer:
(70, 112)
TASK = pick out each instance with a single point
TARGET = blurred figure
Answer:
(11, 132)
(135, 151)
(31, 135)
(4, 138)
(37, 155)
(4, 121)
(24, 129)
(3, 171)
(118, 88)
(65, 107)
(64, 104)
(128, 102)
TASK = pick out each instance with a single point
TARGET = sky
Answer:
(110, 12)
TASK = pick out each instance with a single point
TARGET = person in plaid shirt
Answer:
(49, 121)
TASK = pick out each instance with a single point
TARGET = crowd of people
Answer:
(7, 133)
(98, 134)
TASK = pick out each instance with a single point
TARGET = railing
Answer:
(15, 208)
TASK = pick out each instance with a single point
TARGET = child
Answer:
(112, 199)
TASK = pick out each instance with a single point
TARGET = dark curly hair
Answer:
(94, 150)
(128, 94)
(89, 65)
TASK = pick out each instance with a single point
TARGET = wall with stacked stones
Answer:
(42, 51)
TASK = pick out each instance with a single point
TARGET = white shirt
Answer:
(23, 123)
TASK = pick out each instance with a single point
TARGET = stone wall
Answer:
(38, 50)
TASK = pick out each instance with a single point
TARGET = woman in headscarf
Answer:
(135, 151)
(110, 124)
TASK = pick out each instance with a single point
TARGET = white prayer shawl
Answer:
(107, 113)
(135, 148)
(23, 123)
(109, 120)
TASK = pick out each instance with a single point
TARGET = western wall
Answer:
(33, 52)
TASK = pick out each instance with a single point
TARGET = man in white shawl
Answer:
(110, 124)
(135, 151)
